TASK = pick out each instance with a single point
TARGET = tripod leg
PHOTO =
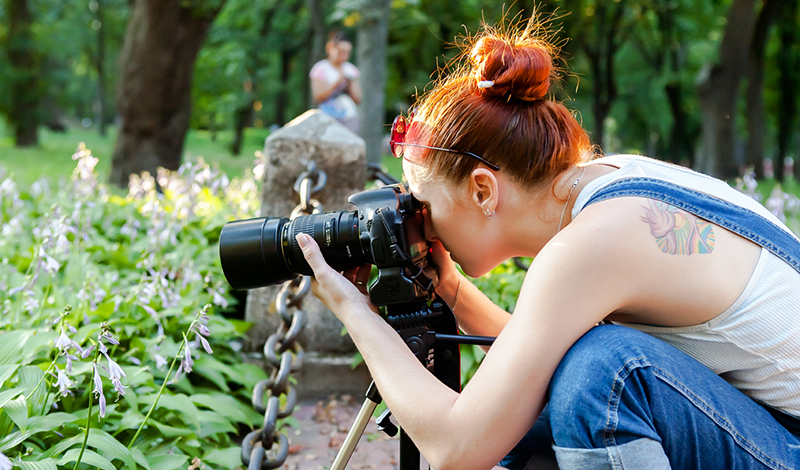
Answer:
(357, 429)
(409, 454)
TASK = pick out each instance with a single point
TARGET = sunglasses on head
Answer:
(400, 128)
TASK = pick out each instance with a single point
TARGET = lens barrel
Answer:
(262, 252)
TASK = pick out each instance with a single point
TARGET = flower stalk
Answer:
(89, 415)
(201, 330)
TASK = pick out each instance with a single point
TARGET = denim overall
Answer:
(674, 412)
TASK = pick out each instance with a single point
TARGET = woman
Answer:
(335, 84)
(705, 372)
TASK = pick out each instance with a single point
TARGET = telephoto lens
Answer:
(263, 252)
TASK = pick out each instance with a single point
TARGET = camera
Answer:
(385, 230)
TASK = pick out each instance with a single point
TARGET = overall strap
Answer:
(737, 219)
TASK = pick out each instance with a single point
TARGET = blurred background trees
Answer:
(711, 84)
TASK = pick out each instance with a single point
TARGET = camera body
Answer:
(385, 230)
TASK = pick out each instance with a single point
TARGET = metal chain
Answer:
(282, 350)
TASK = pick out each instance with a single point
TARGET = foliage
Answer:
(258, 53)
(88, 273)
(26, 165)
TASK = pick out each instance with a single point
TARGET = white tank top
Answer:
(755, 343)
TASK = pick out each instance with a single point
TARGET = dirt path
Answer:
(320, 429)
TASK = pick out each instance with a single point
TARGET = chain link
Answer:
(282, 350)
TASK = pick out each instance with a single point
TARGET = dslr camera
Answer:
(385, 230)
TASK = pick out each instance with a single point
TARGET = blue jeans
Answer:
(621, 399)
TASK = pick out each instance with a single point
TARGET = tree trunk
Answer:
(373, 37)
(23, 117)
(756, 126)
(599, 36)
(679, 146)
(154, 93)
(242, 117)
(282, 92)
(316, 46)
(101, 75)
(788, 84)
(718, 92)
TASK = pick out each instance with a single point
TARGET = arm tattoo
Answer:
(678, 232)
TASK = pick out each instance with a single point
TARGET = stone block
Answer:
(313, 136)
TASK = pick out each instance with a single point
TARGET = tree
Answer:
(100, 58)
(788, 62)
(756, 127)
(598, 31)
(154, 92)
(373, 34)
(25, 62)
(718, 91)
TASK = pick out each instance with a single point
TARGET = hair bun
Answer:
(518, 71)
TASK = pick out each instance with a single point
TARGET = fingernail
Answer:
(302, 240)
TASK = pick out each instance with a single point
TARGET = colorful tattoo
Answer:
(678, 232)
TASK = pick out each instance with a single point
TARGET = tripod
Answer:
(430, 331)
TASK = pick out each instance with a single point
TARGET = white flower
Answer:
(98, 390)
(63, 382)
(160, 361)
(5, 462)
(31, 304)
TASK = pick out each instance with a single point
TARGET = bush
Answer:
(102, 290)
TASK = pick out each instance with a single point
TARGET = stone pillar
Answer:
(341, 155)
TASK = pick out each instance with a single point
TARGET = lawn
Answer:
(53, 155)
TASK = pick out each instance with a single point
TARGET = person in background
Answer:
(335, 84)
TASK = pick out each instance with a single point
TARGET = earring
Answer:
(488, 214)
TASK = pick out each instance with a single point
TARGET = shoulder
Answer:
(607, 252)
(622, 231)
(319, 69)
(351, 71)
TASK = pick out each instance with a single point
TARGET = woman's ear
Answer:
(484, 190)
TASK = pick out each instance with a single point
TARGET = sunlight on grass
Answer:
(52, 158)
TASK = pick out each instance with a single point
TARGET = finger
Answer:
(362, 274)
(351, 274)
(313, 255)
(362, 278)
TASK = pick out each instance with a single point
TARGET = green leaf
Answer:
(46, 464)
(89, 457)
(63, 445)
(7, 371)
(103, 441)
(139, 457)
(50, 422)
(105, 310)
(177, 402)
(214, 371)
(13, 439)
(11, 344)
(29, 377)
(17, 410)
(7, 395)
(166, 461)
(223, 457)
(212, 423)
(131, 419)
(225, 405)
(169, 431)
(247, 375)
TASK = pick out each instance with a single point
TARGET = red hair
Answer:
(508, 120)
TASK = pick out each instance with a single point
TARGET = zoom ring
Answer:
(303, 224)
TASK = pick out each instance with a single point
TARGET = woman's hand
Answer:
(341, 293)
(448, 275)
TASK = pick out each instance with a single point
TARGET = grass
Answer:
(52, 158)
